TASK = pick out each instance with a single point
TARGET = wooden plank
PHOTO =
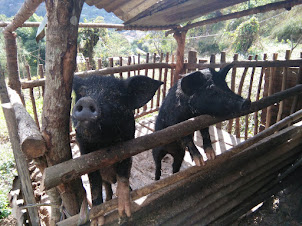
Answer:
(258, 96)
(41, 74)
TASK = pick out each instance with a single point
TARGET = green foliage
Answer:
(290, 30)
(245, 35)
(89, 37)
(30, 52)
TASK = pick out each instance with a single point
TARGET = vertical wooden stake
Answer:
(233, 82)
(180, 37)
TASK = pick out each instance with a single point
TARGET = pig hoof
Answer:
(198, 160)
(210, 153)
(123, 193)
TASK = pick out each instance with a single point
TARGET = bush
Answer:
(291, 30)
(245, 35)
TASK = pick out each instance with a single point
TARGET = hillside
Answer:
(10, 7)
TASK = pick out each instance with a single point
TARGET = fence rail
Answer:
(252, 78)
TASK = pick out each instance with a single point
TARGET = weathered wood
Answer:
(213, 182)
(41, 74)
(121, 64)
(222, 60)
(270, 90)
(237, 128)
(160, 79)
(153, 76)
(33, 83)
(233, 82)
(87, 63)
(32, 97)
(299, 81)
(259, 63)
(249, 97)
(283, 85)
(99, 63)
(261, 9)
(192, 59)
(31, 140)
(129, 63)
(60, 64)
(20, 158)
(71, 169)
(165, 77)
(180, 38)
(256, 122)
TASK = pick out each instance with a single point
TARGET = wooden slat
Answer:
(32, 97)
(41, 74)
(159, 78)
(121, 64)
(165, 77)
(233, 82)
(237, 129)
(283, 85)
(270, 91)
(258, 96)
(153, 76)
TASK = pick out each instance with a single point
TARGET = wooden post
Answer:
(41, 74)
(129, 62)
(20, 158)
(61, 49)
(110, 59)
(249, 97)
(258, 96)
(87, 64)
(100, 63)
(180, 38)
(192, 59)
(270, 91)
(138, 62)
(283, 85)
(233, 82)
(159, 78)
(121, 64)
(237, 130)
(165, 77)
(153, 75)
(299, 81)
(32, 97)
(222, 60)
(147, 61)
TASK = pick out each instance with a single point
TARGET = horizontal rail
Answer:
(69, 170)
(245, 63)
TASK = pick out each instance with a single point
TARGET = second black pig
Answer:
(201, 92)
(102, 117)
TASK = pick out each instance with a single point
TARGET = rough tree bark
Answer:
(180, 38)
(61, 46)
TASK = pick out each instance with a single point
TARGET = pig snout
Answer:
(245, 105)
(85, 109)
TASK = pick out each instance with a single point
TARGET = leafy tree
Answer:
(89, 37)
(246, 34)
(29, 50)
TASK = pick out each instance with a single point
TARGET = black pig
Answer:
(198, 93)
(103, 116)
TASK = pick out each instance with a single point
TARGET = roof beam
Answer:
(261, 9)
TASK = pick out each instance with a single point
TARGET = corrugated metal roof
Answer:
(157, 13)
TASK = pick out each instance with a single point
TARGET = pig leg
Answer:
(108, 190)
(95, 181)
(207, 144)
(178, 158)
(195, 154)
(123, 187)
(158, 155)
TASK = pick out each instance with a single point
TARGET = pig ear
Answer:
(224, 71)
(76, 83)
(140, 90)
(192, 82)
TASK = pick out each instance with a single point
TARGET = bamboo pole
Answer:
(165, 77)
(147, 61)
(258, 96)
(129, 63)
(121, 64)
(160, 79)
(153, 76)
(72, 169)
(222, 60)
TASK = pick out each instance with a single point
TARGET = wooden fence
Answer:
(251, 78)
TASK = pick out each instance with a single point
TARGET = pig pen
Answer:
(143, 167)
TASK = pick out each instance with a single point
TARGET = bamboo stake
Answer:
(99, 63)
(32, 98)
(153, 75)
(147, 61)
(222, 60)
(165, 77)
(129, 62)
(258, 96)
(283, 85)
(270, 91)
